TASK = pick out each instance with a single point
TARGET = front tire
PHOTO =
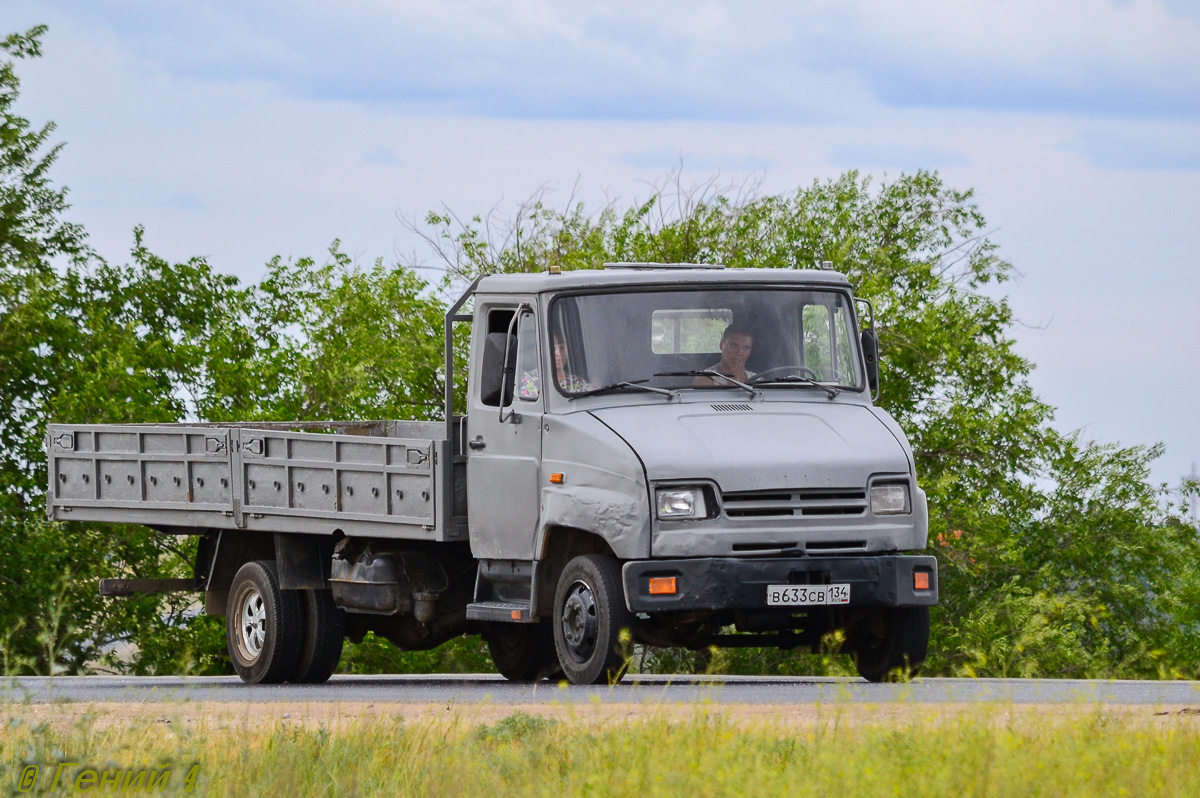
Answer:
(262, 625)
(589, 614)
(891, 638)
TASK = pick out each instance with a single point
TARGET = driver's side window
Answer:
(496, 382)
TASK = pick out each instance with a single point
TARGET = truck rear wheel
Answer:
(523, 652)
(891, 638)
(589, 614)
(262, 625)
(324, 631)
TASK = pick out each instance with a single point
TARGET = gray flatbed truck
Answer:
(688, 453)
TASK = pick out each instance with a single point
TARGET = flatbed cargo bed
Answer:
(382, 479)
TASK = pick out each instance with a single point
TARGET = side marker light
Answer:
(556, 479)
(920, 580)
(662, 586)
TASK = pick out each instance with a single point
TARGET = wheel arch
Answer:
(560, 545)
(230, 551)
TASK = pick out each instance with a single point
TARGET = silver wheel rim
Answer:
(579, 621)
(252, 623)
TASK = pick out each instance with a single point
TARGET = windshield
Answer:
(771, 337)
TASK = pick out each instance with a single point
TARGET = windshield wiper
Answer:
(710, 373)
(829, 390)
(623, 384)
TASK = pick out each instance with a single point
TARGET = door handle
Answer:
(477, 444)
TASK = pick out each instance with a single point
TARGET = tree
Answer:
(106, 344)
(328, 341)
(33, 236)
(80, 341)
(84, 341)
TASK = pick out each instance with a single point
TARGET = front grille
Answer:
(835, 545)
(732, 407)
(790, 503)
(748, 548)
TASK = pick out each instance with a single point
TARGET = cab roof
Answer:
(638, 275)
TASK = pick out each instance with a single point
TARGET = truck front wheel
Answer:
(890, 638)
(262, 625)
(589, 614)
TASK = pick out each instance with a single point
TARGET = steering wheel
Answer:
(803, 371)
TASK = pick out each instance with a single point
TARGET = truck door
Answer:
(505, 436)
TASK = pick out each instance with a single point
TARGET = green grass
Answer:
(917, 752)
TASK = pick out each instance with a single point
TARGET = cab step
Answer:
(503, 611)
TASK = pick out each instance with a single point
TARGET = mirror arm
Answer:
(506, 370)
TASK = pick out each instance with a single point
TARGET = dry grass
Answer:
(615, 749)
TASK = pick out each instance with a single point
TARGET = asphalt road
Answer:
(476, 688)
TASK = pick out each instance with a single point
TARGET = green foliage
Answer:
(827, 660)
(46, 350)
(468, 654)
(82, 340)
(328, 341)
(519, 727)
(32, 232)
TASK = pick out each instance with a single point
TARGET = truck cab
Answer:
(766, 507)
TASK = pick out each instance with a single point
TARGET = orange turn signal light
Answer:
(556, 479)
(662, 586)
(516, 615)
(920, 580)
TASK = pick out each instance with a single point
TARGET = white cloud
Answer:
(770, 61)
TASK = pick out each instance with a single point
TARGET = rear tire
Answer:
(893, 638)
(589, 614)
(262, 625)
(324, 630)
(523, 652)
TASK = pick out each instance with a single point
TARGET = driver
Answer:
(736, 343)
(530, 385)
(566, 380)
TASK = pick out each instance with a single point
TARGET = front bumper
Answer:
(728, 583)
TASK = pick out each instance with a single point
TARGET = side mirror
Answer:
(495, 383)
(870, 348)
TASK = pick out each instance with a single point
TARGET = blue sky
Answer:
(238, 131)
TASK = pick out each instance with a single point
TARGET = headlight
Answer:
(677, 503)
(890, 500)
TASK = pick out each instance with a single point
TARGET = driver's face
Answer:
(560, 356)
(735, 349)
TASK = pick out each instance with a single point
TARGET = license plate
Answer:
(801, 595)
